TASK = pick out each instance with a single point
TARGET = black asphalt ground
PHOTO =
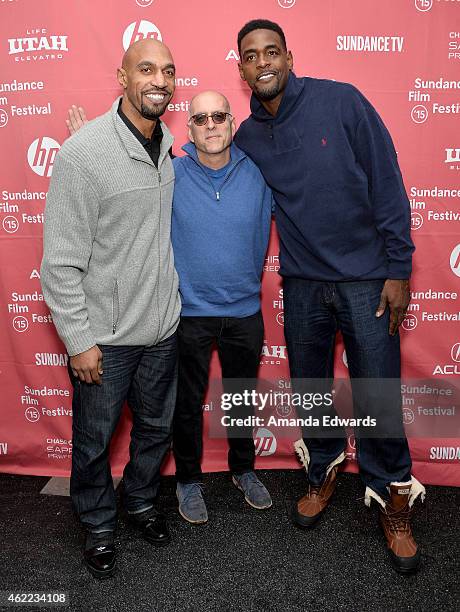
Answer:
(242, 560)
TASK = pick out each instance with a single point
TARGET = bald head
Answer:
(213, 138)
(147, 47)
(214, 100)
(147, 75)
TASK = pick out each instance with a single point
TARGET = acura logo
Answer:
(455, 352)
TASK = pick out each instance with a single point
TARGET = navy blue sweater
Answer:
(342, 212)
(219, 238)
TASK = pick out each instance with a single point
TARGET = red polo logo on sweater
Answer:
(323, 141)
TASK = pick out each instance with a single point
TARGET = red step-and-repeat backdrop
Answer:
(404, 55)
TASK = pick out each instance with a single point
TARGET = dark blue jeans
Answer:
(145, 376)
(313, 312)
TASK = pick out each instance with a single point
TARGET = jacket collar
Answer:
(236, 153)
(294, 89)
(132, 144)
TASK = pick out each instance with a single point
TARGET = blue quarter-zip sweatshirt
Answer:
(342, 212)
(220, 237)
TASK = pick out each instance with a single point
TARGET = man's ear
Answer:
(190, 135)
(121, 76)
(290, 60)
(233, 127)
(240, 68)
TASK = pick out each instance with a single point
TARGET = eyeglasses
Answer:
(201, 119)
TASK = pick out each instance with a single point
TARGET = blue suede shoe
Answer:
(254, 491)
(191, 503)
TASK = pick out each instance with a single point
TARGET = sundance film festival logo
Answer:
(410, 322)
(286, 4)
(20, 324)
(264, 442)
(416, 220)
(423, 5)
(38, 46)
(138, 30)
(144, 3)
(419, 114)
(41, 155)
(3, 117)
(32, 414)
(408, 416)
(455, 260)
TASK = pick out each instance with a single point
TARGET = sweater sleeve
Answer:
(71, 215)
(375, 152)
(263, 235)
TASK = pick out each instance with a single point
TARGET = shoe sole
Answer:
(101, 574)
(158, 543)
(161, 543)
(189, 520)
(235, 482)
(405, 571)
(305, 522)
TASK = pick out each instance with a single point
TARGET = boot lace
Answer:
(399, 520)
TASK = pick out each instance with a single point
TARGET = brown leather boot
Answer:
(310, 507)
(395, 520)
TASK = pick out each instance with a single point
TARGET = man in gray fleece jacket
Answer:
(108, 278)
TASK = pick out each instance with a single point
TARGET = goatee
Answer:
(152, 113)
(269, 94)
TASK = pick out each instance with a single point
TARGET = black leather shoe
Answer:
(153, 526)
(100, 559)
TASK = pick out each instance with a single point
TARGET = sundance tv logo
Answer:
(370, 44)
(138, 30)
(41, 155)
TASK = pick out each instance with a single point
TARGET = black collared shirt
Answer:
(151, 145)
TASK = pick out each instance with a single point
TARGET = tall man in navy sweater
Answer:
(343, 220)
(220, 229)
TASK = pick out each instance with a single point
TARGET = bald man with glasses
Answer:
(220, 230)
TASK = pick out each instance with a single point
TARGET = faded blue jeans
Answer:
(145, 376)
(313, 312)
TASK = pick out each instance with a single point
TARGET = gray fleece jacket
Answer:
(108, 272)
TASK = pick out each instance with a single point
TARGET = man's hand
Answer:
(87, 366)
(77, 119)
(395, 294)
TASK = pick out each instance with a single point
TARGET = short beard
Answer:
(152, 113)
(269, 94)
